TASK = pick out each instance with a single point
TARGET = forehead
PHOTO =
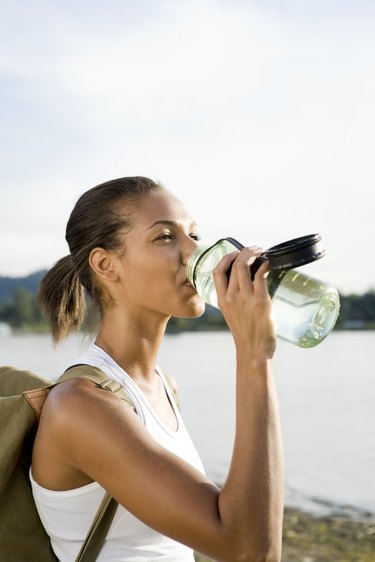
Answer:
(157, 206)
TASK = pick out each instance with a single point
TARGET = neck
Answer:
(132, 342)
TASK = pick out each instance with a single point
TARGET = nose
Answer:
(188, 248)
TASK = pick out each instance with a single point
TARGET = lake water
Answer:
(327, 403)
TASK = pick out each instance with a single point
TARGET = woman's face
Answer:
(152, 267)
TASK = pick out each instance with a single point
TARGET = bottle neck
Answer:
(193, 261)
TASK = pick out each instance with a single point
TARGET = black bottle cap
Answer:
(295, 252)
(288, 255)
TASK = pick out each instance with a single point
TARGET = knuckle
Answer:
(255, 250)
(229, 300)
(238, 264)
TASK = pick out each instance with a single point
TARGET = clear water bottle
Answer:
(305, 308)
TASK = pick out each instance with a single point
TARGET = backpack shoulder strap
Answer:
(36, 399)
(95, 538)
(95, 375)
(37, 396)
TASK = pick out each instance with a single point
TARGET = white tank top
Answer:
(67, 515)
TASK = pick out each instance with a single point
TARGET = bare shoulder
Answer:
(74, 417)
(76, 398)
(78, 408)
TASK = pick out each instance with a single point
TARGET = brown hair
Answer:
(96, 221)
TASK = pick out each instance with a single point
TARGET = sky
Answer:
(258, 115)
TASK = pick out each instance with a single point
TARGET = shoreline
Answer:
(325, 507)
(337, 537)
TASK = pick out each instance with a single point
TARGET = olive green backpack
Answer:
(22, 536)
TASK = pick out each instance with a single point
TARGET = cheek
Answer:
(148, 279)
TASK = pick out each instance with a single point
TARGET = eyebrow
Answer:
(168, 223)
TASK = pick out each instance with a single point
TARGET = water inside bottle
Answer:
(304, 314)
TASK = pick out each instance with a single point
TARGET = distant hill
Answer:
(9, 284)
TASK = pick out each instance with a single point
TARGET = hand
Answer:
(246, 304)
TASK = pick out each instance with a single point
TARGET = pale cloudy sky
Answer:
(259, 115)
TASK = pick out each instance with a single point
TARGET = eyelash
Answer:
(171, 236)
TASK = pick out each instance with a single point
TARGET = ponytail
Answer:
(61, 297)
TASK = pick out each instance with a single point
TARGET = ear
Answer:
(103, 264)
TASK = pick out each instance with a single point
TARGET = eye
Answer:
(195, 237)
(166, 236)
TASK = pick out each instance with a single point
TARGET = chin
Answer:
(193, 310)
(197, 313)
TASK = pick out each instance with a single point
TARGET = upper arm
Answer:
(99, 435)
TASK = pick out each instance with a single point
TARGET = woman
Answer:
(129, 242)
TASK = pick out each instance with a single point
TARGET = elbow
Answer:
(249, 552)
(252, 543)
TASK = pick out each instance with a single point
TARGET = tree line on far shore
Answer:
(19, 311)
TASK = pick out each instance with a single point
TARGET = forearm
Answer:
(251, 501)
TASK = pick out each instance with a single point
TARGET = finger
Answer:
(221, 272)
(260, 278)
(241, 268)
